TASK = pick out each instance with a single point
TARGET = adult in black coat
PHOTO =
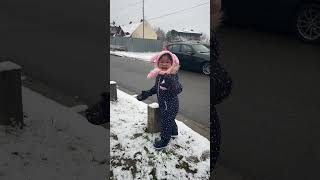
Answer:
(220, 85)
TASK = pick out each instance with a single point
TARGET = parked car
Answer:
(301, 17)
(192, 56)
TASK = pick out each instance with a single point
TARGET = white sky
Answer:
(198, 18)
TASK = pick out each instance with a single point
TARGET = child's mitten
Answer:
(144, 95)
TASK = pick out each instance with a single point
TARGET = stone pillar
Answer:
(113, 91)
(153, 118)
(10, 94)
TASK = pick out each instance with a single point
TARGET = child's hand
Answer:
(144, 95)
(139, 97)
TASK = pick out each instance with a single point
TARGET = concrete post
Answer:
(153, 118)
(113, 91)
(10, 94)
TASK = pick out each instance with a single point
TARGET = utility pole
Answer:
(143, 19)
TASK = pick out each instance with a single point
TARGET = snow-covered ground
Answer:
(144, 56)
(57, 143)
(132, 154)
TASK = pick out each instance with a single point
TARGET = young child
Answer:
(167, 88)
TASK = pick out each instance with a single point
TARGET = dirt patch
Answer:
(126, 164)
(136, 154)
(176, 146)
(115, 137)
(184, 165)
(147, 137)
(135, 136)
(117, 147)
(146, 149)
(153, 173)
(193, 159)
(205, 155)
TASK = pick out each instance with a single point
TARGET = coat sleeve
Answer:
(152, 91)
(221, 82)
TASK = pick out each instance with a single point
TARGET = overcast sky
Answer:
(196, 18)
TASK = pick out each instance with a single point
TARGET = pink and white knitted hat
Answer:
(172, 70)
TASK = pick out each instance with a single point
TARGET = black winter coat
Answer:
(220, 87)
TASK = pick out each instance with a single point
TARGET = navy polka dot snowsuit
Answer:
(167, 88)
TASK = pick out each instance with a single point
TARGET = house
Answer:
(116, 30)
(135, 30)
(183, 35)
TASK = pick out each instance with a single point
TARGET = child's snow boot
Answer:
(161, 144)
(174, 133)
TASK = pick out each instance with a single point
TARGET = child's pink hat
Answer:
(172, 70)
(156, 57)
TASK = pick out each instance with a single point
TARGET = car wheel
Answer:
(307, 23)
(205, 68)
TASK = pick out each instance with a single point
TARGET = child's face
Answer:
(164, 63)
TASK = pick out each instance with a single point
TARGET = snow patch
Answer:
(8, 65)
(154, 105)
(144, 56)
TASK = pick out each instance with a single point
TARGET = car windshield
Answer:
(200, 48)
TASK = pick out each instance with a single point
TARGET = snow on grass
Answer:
(145, 56)
(132, 153)
(57, 143)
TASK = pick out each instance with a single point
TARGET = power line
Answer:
(175, 12)
(121, 10)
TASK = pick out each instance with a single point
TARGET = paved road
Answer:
(194, 100)
(270, 125)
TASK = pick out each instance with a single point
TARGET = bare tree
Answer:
(205, 38)
(160, 33)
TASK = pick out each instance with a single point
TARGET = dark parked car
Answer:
(301, 17)
(192, 56)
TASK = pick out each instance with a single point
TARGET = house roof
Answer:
(130, 28)
(188, 31)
